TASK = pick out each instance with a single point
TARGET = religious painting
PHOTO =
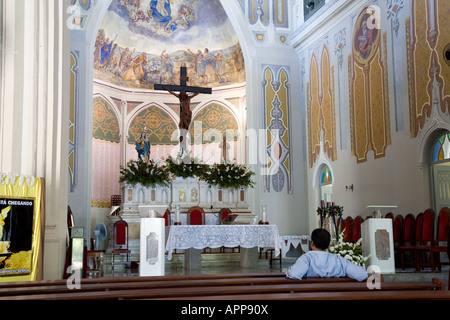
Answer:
(141, 43)
(428, 73)
(369, 88)
(366, 37)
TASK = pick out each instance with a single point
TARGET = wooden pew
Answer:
(236, 291)
(337, 295)
(147, 284)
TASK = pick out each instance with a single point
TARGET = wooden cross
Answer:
(224, 146)
(185, 108)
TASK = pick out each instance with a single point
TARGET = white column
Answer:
(34, 109)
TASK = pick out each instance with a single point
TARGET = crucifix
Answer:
(224, 146)
(185, 99)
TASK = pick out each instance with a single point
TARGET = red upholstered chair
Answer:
(427, 236)
(434, 249)
(398, 225)
(448, 254)
(389, 215)
(196, 216)
(408, 240)
(356, 233)
(410, 248)
(120, 243)
(348, 228)
(167, 217)
(223, 213)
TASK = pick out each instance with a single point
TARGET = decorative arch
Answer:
(217, 119)
(105, 121)
(158, 123)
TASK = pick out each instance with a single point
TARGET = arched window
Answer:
(441, 149)
(326, 185)
(440, 156)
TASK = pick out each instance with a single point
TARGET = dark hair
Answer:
(321, 238)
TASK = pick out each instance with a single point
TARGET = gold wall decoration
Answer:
(428, 75)
(321, 108)
(368, 90)
(276, 91)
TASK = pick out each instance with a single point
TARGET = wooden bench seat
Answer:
(339, 295)
(219, 288)
(142, 279)
(210, 286)
(7, 293)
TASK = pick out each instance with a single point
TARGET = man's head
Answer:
(320, 238)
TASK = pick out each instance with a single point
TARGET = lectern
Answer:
(378, 240)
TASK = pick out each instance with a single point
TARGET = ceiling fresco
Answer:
(143, 42)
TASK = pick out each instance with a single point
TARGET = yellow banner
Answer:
(20, 227)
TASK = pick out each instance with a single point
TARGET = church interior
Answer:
(326, 104)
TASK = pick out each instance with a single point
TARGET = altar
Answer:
(141, 202)
(193, 238)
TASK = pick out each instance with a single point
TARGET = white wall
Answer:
(402, 177)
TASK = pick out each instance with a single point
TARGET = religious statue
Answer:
(185, 100)
(185, 108)
(143, 146)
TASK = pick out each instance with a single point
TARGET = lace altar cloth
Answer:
(215, 236)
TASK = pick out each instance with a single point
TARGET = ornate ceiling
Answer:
(141, 43)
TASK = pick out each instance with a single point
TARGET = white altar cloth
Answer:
(215, 236)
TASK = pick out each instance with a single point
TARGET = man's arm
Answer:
(355, 272)
(299, 269)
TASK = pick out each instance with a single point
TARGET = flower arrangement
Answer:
(148, 174)
(229, 175)
(185, 166)
(349, 251)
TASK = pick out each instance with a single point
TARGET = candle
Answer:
(177, 213)
(264, 214)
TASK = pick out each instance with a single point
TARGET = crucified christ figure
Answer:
(185, 108)
(185, 101)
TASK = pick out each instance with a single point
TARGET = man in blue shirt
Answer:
(320, 263)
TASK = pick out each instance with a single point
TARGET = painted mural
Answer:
(276, 91)
(321, 107)
(369, 93)
(427, 38)
(141, 43)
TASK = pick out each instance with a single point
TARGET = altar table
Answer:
(194, 238)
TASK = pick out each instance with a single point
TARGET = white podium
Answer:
(378, 241)
(152, 259)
